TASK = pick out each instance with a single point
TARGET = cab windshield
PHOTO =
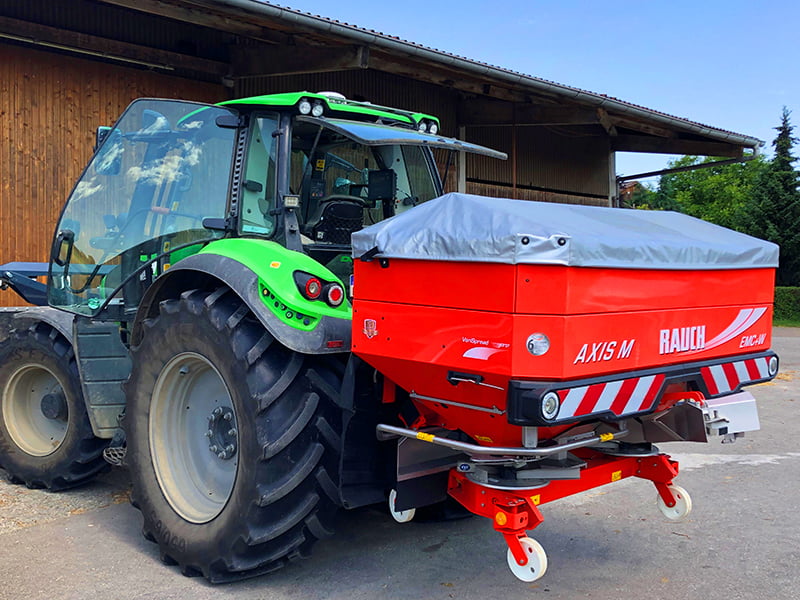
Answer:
(140, 204)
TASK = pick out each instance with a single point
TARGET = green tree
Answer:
(776, 209)
(637, 195)
(721, 194)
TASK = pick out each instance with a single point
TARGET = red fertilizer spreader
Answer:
(531, 351)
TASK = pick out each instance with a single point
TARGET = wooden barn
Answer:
(67, 67)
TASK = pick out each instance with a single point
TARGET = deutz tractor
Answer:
(199, 282)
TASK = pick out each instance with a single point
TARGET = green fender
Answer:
(261, 273)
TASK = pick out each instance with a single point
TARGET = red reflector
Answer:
(335, 344)
(313, 288)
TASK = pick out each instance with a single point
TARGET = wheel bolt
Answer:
(217, 412)
(214, 448)
(209, 433)
(228, 416)
(232, 432)
(230, 448)
(222, 455)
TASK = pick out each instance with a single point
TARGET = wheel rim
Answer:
(29, 428)
(682, 507)
(193, 437)
(401, 516)
(537, 561)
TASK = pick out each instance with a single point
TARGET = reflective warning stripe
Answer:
(624, 397)
(621, 397)
(727, 377)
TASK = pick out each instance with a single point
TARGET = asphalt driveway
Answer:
(741, 541)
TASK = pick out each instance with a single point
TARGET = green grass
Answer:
(786, 322)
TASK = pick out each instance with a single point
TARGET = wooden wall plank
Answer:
(50, 106)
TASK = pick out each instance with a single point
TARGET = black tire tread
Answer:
(290, 498)
(82, 457)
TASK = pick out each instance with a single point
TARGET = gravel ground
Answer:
(21, 507)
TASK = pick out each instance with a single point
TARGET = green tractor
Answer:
(199, 321)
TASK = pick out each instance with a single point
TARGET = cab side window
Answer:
(258, 185)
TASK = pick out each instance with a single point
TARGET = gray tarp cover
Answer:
(463, 227)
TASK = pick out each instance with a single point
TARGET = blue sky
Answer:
(731, 64)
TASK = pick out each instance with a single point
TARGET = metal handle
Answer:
(65, 235)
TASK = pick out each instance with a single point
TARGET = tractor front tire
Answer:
(46, 439)
(232, 440)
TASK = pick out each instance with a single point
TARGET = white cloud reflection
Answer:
(168, 169)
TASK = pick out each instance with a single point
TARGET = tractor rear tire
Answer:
(233, 440)
(46, 439)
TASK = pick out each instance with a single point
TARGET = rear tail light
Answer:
(335, 294)
(313, 288)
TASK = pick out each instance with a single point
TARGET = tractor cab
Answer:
(303, 170)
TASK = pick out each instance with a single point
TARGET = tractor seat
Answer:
(337, 220)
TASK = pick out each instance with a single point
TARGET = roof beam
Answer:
(293, 60)
(647, 128)
(606, 122)
(641, 143)
(206, 17)
(431, 73)
(82, 43)
(476, 112)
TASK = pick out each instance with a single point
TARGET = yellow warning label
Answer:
(320, 164)
(536, 499)
(425, 437)
(483, 438)
(606, 437)
(275, 264)
(616, 475)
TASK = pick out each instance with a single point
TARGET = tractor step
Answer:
(104, 365)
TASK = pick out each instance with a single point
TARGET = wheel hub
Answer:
(54, 406)
(222, 435)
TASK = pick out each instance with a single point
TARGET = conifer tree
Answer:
(777, 204)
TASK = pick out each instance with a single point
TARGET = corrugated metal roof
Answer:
(597, 100)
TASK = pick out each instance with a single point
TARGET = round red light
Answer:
(313, 288)
(335, 295)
